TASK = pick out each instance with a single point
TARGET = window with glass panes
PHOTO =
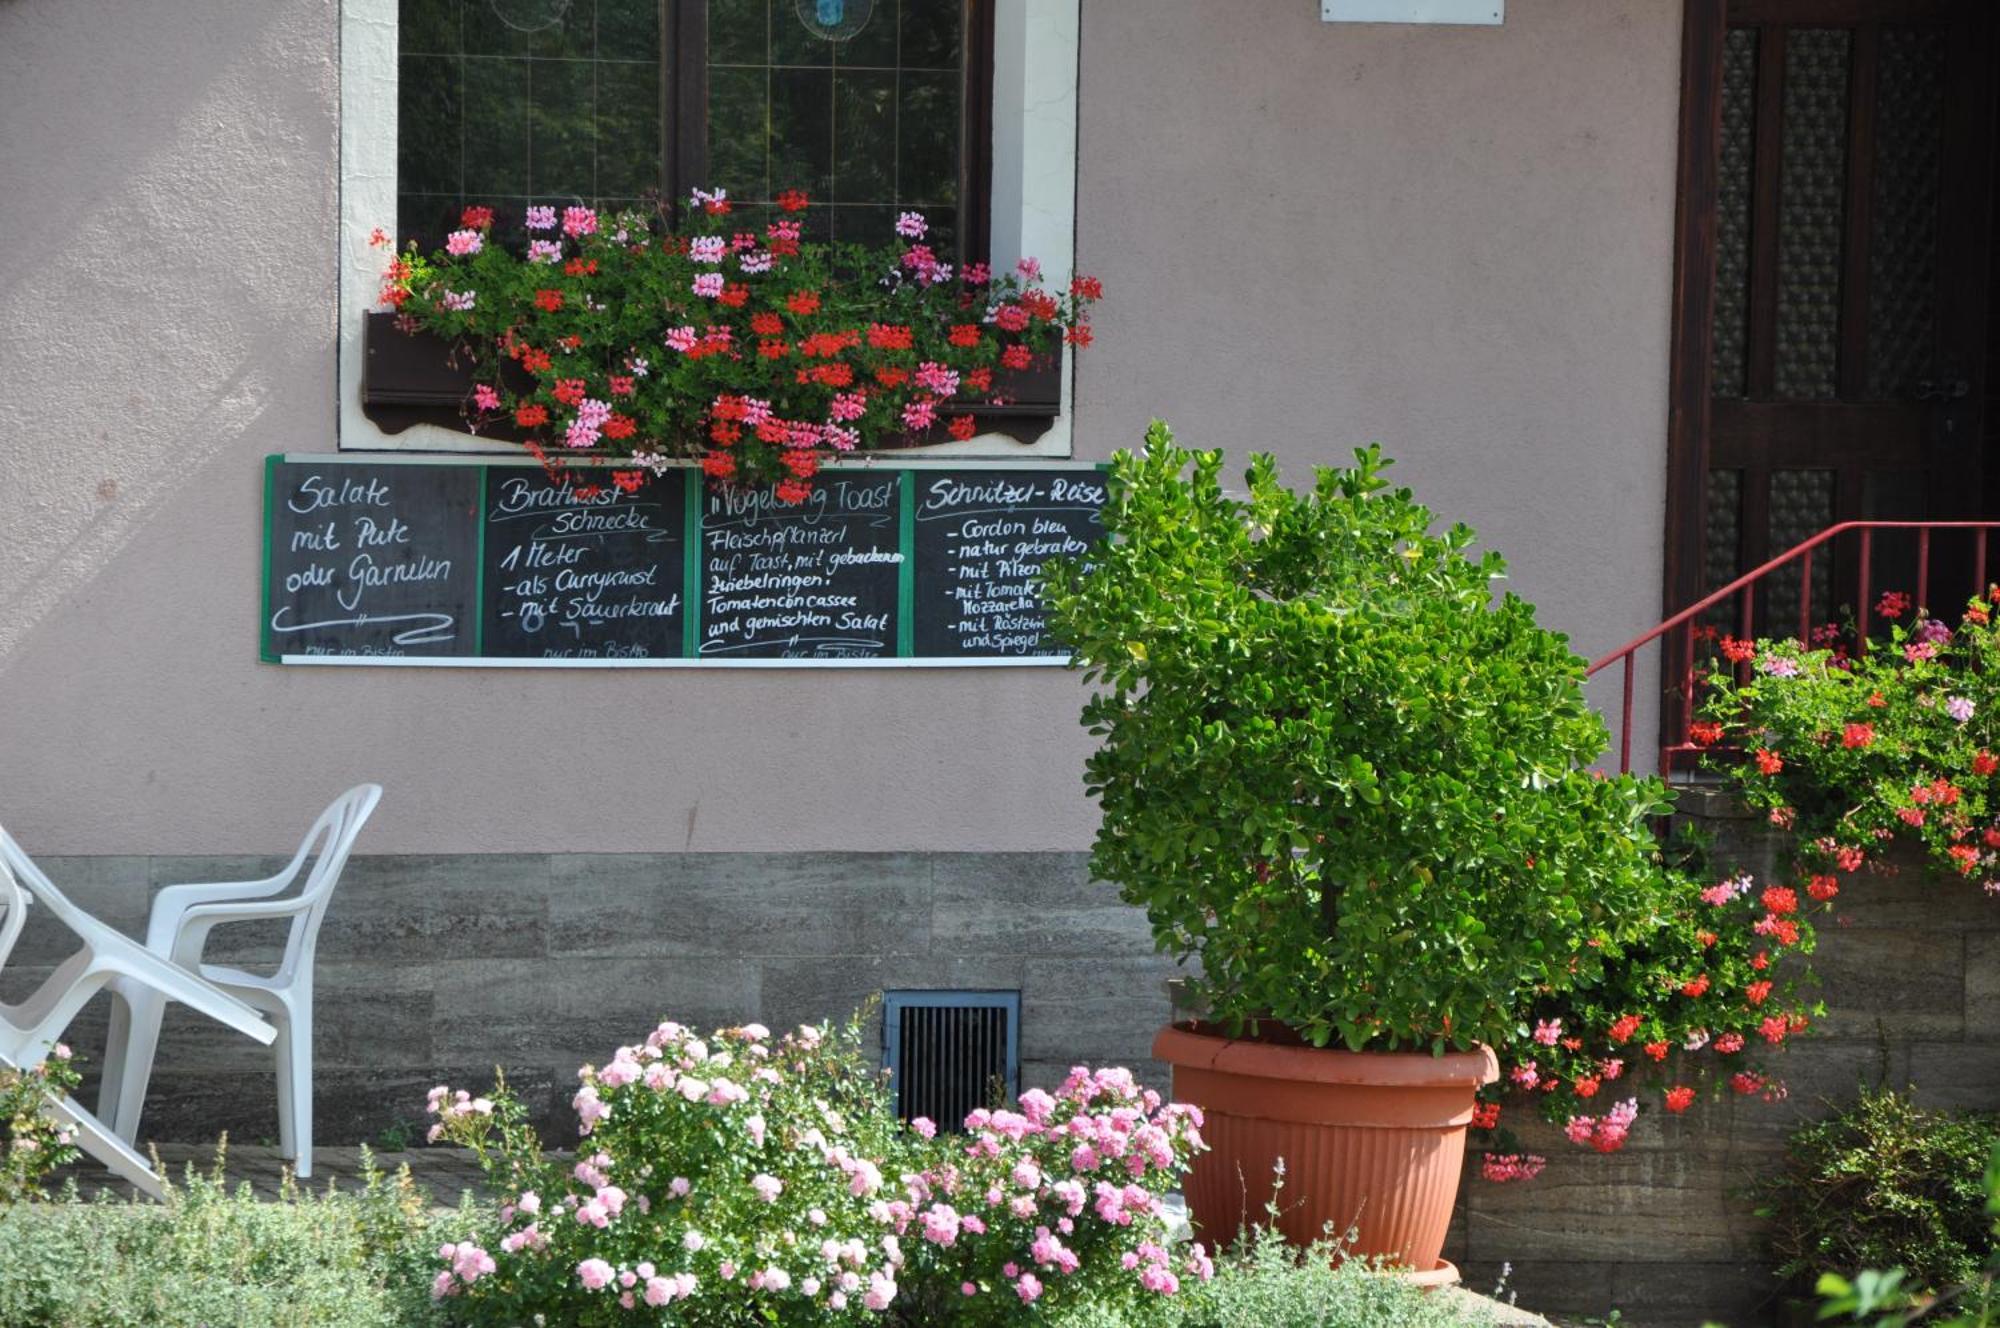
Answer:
(632, 103)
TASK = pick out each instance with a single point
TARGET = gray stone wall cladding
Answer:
(437, 969)
(1663, 1231)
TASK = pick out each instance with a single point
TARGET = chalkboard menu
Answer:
(817, 580)
(597, 577)
(371, 560)
(392, 562)
(982, 537)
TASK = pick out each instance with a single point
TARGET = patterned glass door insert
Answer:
(1851, 191)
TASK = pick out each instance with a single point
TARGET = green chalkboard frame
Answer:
(905, 656)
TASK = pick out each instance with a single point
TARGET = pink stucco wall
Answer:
(1454, 241)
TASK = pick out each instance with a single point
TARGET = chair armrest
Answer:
(190, 932)
(171, 904)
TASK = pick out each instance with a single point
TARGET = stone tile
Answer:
(485, 906)
(1043, 904)
(1982, 987)
(1637, 1205)
(807, 990)
(1645, 1295)
(1102, 1012)
(110, 889)
(548, 1014)
(1957, 1075)
(1821, 1074)
(350, 1106)
(740, 904)
(1897, 982)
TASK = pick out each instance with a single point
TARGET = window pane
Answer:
(512, 102)
(867, 126)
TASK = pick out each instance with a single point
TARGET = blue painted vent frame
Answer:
(945, 1049)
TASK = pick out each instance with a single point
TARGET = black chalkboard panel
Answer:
(981, 539)
(596, 577)
(370, 559)
(817, 581)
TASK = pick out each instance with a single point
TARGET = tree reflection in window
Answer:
(512, 102)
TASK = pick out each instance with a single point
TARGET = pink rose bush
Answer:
(739, 1178)
(34, 1143)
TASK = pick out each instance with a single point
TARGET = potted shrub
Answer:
(1353, 785)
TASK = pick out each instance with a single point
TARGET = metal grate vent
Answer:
(949, 1052)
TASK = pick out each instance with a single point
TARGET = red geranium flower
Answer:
(734, 295)
(718, 465)
(964, 334)
(1778, 899)
(1657, 1050)
(1015, 357)
(620, 426)
(766, 324)
(532, 416)
(791, 200)
(1679, 1098)
(1822, 888)
(1625, 1027)
(803, 302)
(628, 480)
(478, 218)
(1858, 735)
(792, 492)
(548, 300)
(1737, 652)
(1985, 762)
(1705, 734)
(962, 427)
(1769, 762)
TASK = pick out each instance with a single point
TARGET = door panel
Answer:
(1847, 193)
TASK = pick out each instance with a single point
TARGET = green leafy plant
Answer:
(1853, 749)
(1336, 768)
(1884, 1184)
(1883, 1298)
(213, 1257)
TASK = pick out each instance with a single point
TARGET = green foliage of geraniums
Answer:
(737, 1179)
(752, 348)
(1854, 748)
(210, 1257)
(33, 1142)
(1336, 767)
(1883, 1184)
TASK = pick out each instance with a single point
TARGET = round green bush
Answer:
(1884, 1183)
(1338, 767)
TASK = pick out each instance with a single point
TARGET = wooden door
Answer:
(1830, 353)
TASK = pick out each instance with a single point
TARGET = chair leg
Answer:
(128, 1069)
(116, 1043)
(118, 1157)
(295, 1075)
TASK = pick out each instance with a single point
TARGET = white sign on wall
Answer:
(1412, 11)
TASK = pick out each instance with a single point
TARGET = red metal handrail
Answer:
(1745, 588)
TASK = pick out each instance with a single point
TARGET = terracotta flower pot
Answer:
(1372, 1140)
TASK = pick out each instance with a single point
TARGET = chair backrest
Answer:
(13, 912)
(27, 875)
(328, 843)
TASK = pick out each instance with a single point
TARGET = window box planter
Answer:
(413, 378)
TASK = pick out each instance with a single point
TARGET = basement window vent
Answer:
(949, 1052)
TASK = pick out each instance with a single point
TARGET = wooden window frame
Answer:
(410, 379)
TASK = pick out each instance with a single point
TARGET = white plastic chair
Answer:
(31, 1028)
(182, 917)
